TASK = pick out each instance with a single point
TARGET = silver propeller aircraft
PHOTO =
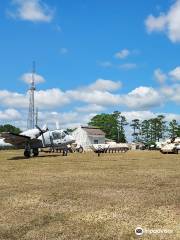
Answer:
(33, 139)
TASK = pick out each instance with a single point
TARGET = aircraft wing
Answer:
(20, 140)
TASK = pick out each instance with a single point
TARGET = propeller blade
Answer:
(42, 134)
(41, 130)
(38, 128)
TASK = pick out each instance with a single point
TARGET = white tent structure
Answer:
(86, 136)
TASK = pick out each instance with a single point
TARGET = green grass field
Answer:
(83, 196)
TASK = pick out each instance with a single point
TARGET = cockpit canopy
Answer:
(59, 134)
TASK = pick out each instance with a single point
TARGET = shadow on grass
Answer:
(41, 156)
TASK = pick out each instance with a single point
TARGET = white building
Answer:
(86, 136)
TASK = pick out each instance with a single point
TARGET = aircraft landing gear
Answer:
(35, 152)
(27, 153)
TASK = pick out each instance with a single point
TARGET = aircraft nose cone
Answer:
(70, 138)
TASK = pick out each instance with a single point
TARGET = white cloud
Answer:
(97, 95)
(13, 99)
(167, 91)
(75, 119)
(122, 54)
(91, 99)
(140, 98)
(141, 115)
(103, 98)
(53, 117)
(145, 115)
(175, 73)
(27, 78)
(127, 66)
(171, 116)
(143, 98)
(91, 108)
(172, 93)
(31, 10)
(168, 23)
(156, 23)
(65, 119)
(103, 85)
(51, 98)
(10, 114)
(160, 76)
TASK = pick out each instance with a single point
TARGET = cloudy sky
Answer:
(91, 57)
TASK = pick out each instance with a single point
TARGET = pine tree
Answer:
(136, 129)
(173, 129)
(145, 131)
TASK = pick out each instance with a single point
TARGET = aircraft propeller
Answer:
(42, 131)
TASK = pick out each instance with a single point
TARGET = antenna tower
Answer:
(31, 114)
(36, 118)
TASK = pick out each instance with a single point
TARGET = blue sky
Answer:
(82, 48)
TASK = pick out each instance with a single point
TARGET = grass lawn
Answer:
(83, 196)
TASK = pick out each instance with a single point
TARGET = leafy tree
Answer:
(70, 130)
(9, 128)
(112, 124)
(148, 131)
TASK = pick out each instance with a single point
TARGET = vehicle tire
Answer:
(35, 152)
(27, 154)
(70, 150)
(81, 150)
(163, 152)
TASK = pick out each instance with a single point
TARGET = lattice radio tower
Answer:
(31, 114)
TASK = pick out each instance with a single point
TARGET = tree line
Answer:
(9, 128)
(147, 131)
